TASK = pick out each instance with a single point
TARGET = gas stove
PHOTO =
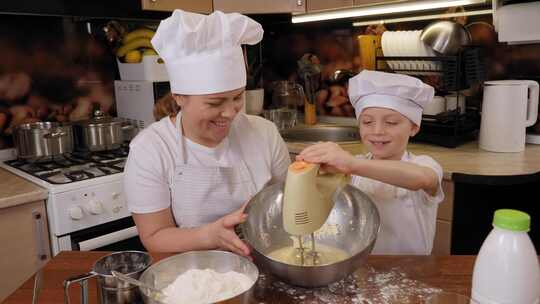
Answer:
(86, 208)
(74, 167)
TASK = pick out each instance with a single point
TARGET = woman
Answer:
(188, 177)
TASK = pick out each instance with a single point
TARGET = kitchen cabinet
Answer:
(373, 2)
(316, 5)
(260, 6)
(24, 246)
(443, 233)
(478, 197)
(197, 6)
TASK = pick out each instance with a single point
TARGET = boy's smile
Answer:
(385, 132)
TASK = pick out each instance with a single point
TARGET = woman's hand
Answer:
(330, 155)
(222, 235)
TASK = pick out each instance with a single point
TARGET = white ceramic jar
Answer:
(506, 270)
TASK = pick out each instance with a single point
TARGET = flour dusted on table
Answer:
(197, 286)
(367, 286)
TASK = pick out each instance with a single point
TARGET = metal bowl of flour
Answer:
(352, 226)
(164, 272)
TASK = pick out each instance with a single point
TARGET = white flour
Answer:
(197, 286)
(368, 287)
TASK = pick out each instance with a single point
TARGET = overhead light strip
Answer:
(424, 17)
(381, 10)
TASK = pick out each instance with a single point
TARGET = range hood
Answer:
(117, 9)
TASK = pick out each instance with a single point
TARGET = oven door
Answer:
(118, 235)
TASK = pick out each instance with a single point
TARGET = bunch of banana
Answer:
(135, 45)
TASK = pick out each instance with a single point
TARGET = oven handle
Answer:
(108, 239)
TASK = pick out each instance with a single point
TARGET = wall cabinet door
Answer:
(260, 6)
(368, 2)
(316, 5)
(197, 6)
(24, 245)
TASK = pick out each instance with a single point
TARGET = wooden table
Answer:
(384, 279)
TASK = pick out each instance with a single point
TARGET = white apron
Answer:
(201, 195)
(402, 229)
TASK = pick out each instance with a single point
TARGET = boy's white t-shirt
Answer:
(154, 152)
(408, 218)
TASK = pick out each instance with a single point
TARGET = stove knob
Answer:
(95, 207)
(76, 213)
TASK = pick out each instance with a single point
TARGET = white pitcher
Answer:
(509, 107)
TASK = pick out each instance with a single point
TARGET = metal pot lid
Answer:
(42, 126)
(100, 119)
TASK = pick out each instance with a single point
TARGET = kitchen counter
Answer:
(15, 190)
(468, 162)
(399, 279)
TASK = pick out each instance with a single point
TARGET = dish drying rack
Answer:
(450, 128)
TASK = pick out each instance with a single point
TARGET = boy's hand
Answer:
(331, 157)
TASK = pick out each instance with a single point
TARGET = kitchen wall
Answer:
(336, 46)
(52, 69)
(61, 68)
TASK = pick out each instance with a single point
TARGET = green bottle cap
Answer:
(511, 219)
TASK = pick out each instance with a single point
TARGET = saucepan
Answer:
(42, 140)
(100, 133)
(110, 289)
(354, 224)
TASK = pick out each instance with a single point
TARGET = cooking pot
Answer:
(129, 130)
(99, 133)
(352, 226)
(41, 141)
(110, 289)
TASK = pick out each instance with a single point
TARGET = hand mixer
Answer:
(307, 202)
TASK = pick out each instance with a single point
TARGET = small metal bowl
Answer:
(164, 272)
(354, 216)
(445, 37)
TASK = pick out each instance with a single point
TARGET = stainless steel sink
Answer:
(321, 133)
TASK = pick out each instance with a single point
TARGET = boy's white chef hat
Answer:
(405, 94)
(203, 54)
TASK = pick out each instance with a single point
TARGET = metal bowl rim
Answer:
(194, 252)
(150, 261)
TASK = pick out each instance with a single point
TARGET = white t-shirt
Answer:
(154, 153)
(408, 218)
(219, 156)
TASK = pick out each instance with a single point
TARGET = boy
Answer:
(406, 188)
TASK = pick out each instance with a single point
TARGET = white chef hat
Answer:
(405, 94)
(203, 54)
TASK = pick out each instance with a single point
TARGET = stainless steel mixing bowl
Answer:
(354, 216)
(164, 272)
